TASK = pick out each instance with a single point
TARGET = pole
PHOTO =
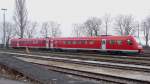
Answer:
(138, 31)
(139, 34)
(106, 29)
(4, 29)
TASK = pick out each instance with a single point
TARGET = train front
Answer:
(139, 46)
(140, 49)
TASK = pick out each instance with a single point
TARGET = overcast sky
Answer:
(67, 12)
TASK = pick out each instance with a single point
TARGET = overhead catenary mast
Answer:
(4, 29)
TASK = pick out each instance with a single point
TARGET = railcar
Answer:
(117, 44)
(30, 43)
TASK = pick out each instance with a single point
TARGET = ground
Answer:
(4, 80)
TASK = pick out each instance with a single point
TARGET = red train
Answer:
(123, 44)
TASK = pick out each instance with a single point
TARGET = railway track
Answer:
(62, 66)
(95, 57)
(138, 56)
(98, 77)
(85, 62)
(48, 61)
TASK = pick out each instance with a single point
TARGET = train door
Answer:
(103, 44)
(51, 43)
(47, 43)
(17, 43)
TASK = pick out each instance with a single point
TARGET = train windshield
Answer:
(138, 41)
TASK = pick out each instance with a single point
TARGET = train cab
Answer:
(123, 44)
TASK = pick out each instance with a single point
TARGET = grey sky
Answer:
(67, 12)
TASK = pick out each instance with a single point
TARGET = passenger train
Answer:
(118, 44)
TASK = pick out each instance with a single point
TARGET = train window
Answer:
(30, 42)
(20, 42)
(74, 42)
(86, 42)
(69, 42)
(103, 42)
(119, 42)
(65, 42)
(45, 41)
(55, 41)
(129, 42)
(26, 42)
(83, 42)
(112, 41)
(91, 42)
(79, 42)
(35, 42)
(39, 41)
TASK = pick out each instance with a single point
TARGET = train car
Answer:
(30, 43)
(80, 43)
(125, 44)
(117, 44)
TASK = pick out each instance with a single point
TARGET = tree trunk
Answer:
(146, 40)
(106, 30)
(21, 36)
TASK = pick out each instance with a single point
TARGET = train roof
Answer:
(78, 38)
(22, 39)
(94, 37)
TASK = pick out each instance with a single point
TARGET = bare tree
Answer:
(45, 30)
(55, 29)
(31, 29)
(9, 31)
(78, 30)
(107, 21)
(146, 29)
(138, 29)
(20, 17)
(4, 29)
(129, 25)
(50, 29)
(125, 25)
(92, 26)
(119, 25)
